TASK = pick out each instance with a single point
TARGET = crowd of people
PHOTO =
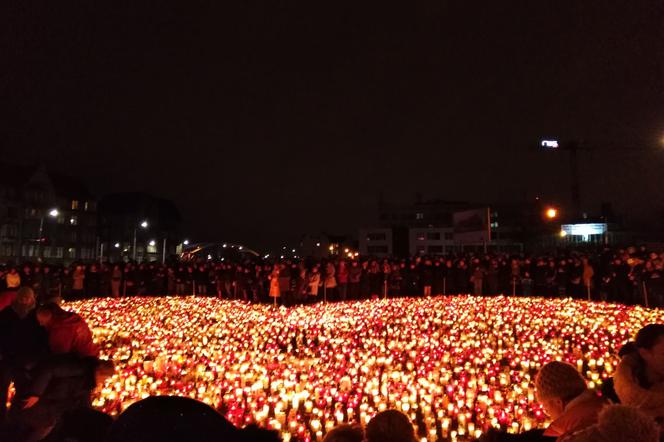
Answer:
(631, 276)
(48, 354)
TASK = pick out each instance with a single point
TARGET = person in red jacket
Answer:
(68, 333)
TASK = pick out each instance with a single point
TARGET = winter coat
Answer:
(330, 280)
(342, 275)
(580, 413)
(354, 274)
(314, 282)
(22, 341)
(79, 277)
(618, 423)
(631, 392)
(69, 333)
(275, 291)
(13, 280)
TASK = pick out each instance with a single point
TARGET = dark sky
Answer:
(269, 119)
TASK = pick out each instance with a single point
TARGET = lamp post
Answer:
(144, 225)
(52, 213)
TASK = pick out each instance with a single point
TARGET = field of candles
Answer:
(455, 365)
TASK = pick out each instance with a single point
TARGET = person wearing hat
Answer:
(618, 423)
(563, 393)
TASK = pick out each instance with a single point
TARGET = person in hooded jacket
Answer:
(67, 331)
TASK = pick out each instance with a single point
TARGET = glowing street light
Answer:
(52, 213)
(116, 245)
(144, 224)
(551, 213)
(152, 242)
(185, 242)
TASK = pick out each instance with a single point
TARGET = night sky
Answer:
(265, 120)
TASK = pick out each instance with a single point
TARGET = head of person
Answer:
(24, 302)
(161, 418)
(556, 385)
(345, 433)
(649, 345)
(47, 312)
(390, 426)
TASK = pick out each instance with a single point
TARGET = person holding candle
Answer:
(61, 384)
(23, 343)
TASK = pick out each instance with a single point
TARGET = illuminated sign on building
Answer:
(584, 230)
(550, 144)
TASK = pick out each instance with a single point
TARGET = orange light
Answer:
(551, 213)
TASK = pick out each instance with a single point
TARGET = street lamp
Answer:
(117, 245)
(52, 213)
(152, 243)
(185, 242)
(144, 225)
(551, 213)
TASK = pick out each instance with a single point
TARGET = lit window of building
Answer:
(74, 204)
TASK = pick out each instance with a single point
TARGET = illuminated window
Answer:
(419, 215)
(71, 252)
(85, 206)
(58, 252)
(47, 252)
(152, 248)
(74, 204)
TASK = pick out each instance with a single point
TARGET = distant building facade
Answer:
(45, 216)
(138, 226)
